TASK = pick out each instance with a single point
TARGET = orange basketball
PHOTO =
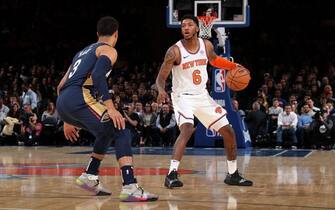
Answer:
(238, 78)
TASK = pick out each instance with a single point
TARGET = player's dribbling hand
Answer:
(162, 97)
(71, 132)
(117, 119)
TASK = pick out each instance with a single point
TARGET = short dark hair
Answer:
(107, 26)
(192, 17)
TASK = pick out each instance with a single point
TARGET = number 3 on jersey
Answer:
(74, 68)
(196, 77)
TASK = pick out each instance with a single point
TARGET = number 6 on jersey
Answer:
(196, 77)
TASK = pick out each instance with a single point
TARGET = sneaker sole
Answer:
(238, 184)
(84, 186)
(173, 185)
(130, 198)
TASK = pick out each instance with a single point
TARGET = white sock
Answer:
(174, 164)
(232, 166)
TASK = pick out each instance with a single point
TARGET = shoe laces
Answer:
(174, 174)
(140, 188)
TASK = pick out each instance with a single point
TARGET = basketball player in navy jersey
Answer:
(78, 108)
(187, 59)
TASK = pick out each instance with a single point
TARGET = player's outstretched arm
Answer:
(106, 58)
(170, 58)
(216, 60)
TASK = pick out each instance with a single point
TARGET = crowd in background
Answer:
(294, 109)
(289, 109)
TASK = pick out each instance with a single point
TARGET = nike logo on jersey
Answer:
(186, 56)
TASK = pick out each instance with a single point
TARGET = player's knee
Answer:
(186, 130)
(123, 144)
(226, 130)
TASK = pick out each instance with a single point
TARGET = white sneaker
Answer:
(91, 183)
(278, 147)
(135, 193)
(294, 147)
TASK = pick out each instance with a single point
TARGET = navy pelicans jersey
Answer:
(190, 76)
(82, 66)
(78, 92)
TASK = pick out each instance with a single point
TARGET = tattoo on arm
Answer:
(170, 56)
(167, 65)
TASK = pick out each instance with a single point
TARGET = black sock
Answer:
(93, 166)
(128, 175)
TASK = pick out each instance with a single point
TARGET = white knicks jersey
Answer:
(190, 76)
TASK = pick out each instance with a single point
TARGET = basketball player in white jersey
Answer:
(187, 59)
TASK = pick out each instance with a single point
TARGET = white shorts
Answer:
(209, 113)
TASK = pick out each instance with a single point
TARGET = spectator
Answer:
(14, 100)
(3, 112)
(275, 109)
(165, 126)
(132, 123)
(277, 95)
(285, 88)
(321, 128)
(312, 108)
(27, 113)
(263, 104)
(256, 122)
(155, 108)
(295, 106)
(12, 120)
(270, 85)
(31, 132)
(50, 122)
(287, 123)
(14, 111)
(134, 98)
(331, 111)
(304, 121)
(29, 96)
(262, 100)
(273, 113)
(148, 120)
(139, 109)
(236, 108)
(50, 115)
(8, 130)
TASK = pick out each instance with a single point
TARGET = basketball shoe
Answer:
(237, 179)
(171, 180)
(91, 183)
(135, 193)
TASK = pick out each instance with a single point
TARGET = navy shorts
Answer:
(78, 107)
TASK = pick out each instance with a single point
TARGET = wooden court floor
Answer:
(43, 178)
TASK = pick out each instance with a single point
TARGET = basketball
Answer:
(238, 78)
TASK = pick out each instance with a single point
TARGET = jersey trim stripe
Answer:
(182, 115)
(192, 53)
(92, 103)
(216, 120)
